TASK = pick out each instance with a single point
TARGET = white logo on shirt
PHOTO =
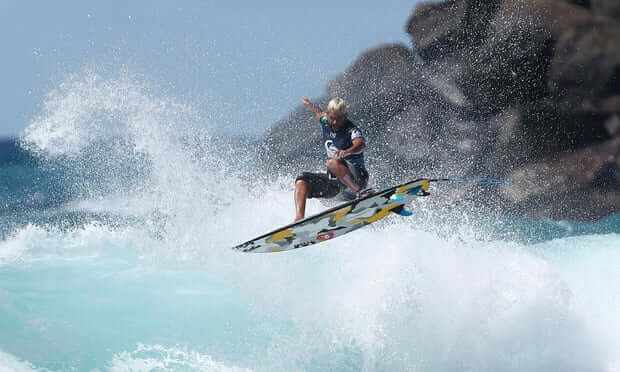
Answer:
(330, 148)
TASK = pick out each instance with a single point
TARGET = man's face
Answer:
(335, 120)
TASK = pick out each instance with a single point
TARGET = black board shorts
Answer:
(326, 185)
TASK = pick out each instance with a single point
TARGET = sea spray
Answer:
(147, 279)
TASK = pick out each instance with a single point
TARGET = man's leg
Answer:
(340, 170)
(301, 194)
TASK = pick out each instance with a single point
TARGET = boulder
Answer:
(527, 90)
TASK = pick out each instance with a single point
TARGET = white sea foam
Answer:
(392, 296)
(160, 358)
(33, 244)
(9, 363)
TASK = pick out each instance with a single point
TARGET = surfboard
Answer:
(339, 220)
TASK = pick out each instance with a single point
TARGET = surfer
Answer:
(345, 146)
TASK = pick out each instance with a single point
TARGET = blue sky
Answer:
(250, 60)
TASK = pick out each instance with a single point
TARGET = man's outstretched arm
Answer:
(314, 108)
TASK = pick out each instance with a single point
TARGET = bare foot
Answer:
(365, 193)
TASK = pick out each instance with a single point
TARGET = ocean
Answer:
(118, 209)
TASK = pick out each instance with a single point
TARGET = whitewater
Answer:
(122, 262)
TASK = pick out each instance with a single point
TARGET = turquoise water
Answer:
(115, 255)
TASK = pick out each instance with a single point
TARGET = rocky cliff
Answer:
(526, 90)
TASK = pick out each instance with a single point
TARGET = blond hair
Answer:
(337, 106)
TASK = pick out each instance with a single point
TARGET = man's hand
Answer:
(341, 153)
(314, 108)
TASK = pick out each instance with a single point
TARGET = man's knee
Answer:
(302, 182)
(333, 163)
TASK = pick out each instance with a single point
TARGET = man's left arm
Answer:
(358, 145)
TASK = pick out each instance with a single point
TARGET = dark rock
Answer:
(613, 125)
(582, 3)
(440, 29)
(555, 187)
(586, 60)
(606, 8)
(293, 145)
(380, 84)
(523, 89)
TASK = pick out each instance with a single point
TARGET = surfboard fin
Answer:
(402, 211)
(397, 198)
